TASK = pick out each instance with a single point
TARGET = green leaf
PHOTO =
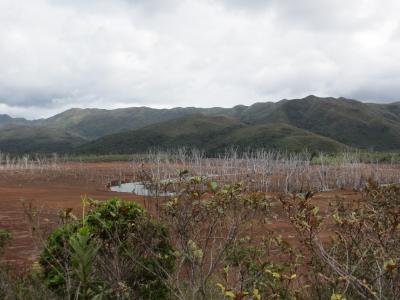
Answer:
(315, 210)
(256, 294)
(230, 294)
(336, 296)
(213, 185)
(390, 265)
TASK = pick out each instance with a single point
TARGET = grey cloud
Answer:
(149, 7)
(381, 91)
(248, 4)
(316, 15)
(56, 54)
(27, 97)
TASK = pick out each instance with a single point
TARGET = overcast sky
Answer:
(58, 54)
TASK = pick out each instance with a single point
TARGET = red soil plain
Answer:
(53, 190)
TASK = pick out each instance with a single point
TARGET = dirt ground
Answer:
(53, 190)
(49, 191)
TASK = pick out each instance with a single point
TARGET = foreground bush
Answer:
(116, 251)
(217, 258)
(5, 236)
(19, 286)
(22, 286)
(362, 260)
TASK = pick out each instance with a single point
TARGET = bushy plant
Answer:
(117, 250)
(206, 220)
(362, 260)
(5, 236)
(265, 269)
(15, 285)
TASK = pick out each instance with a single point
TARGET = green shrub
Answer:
(207, 220)
(116, 251)
(266, 269)
(362, 258)
(5, 236)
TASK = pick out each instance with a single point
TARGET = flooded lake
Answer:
(138, 188)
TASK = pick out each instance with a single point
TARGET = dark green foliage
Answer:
(117, 252)
(4, 237)
(83, 254)
(56, 256)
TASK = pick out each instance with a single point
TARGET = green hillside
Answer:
(33, 139)
(280, 136)
(95, 123)
(191, 131)
(213, 134)
(356, 124)
(312, 122)
(350, 122)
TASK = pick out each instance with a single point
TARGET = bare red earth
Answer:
(64, 187)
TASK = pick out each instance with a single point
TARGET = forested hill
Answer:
(326, 124)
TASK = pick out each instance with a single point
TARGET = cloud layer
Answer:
(57, 54)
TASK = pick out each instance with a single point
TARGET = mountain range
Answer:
(315, 123)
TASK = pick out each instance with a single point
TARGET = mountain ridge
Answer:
(346, 121)
(212, 134)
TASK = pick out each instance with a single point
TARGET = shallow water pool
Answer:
(137, 188)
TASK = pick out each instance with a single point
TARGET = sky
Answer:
(59, 54)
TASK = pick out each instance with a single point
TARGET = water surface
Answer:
(137, 188)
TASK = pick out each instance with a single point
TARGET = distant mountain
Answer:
(327, 124)
(7, 120)
(33, 139)
(213, 134)
(95, 123)
(356, 124)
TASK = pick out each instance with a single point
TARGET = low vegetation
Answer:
(115, 251)
(261, 171)
(204, 243)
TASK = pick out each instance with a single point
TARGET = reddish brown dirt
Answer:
(49, 191)
(55, 190)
